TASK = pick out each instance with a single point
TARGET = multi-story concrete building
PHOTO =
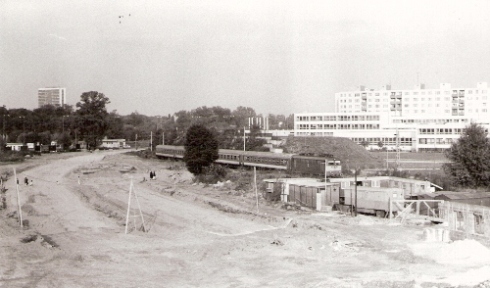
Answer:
(416, 119)
(51, 96)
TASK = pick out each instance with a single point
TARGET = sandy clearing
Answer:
(201, 236)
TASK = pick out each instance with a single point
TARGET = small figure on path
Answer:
(151, 175)
(26, 181)
(154, 175)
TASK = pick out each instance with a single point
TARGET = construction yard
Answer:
(199, 235)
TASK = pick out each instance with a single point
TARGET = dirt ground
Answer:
(203, 236)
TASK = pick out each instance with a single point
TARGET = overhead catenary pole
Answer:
(355, 187)
(18, 198)
(386, 158)
(325, 179)
(151, 140)
(243, 138)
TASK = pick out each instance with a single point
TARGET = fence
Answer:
(415, 209)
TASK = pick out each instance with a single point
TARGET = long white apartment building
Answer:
(416, 119)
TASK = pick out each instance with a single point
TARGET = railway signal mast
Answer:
(397, 163)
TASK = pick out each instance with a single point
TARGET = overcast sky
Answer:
(275, 56)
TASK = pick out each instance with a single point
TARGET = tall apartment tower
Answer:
(51, 96)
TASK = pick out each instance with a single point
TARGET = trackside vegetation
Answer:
(201, 149)
(470, 159)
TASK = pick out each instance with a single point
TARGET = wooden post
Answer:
(129, 206)
(391, 203)
(255, 187)
(18, 198)
(141, 213)
(351, 206)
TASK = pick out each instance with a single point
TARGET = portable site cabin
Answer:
(370, 200)
(411, 187)
(307, 192)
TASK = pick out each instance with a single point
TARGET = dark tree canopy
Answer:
(201, 149)
(92, 117)
(470, 158)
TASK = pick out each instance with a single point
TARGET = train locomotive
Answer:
(291, 163)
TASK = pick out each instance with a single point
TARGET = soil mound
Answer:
(340, 148)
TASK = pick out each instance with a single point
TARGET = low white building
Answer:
(14, 146)
(114, 143)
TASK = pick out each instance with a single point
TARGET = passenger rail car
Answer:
(230, 157)
(169, 151)
(293, 164)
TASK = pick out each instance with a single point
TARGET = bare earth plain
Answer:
(203, 236)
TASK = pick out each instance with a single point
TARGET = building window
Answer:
(479, 223)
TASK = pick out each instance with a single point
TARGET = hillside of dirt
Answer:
(196, 235)
(342, 149)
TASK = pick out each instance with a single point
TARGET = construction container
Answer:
(370, 200)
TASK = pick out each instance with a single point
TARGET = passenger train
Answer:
(291, 163)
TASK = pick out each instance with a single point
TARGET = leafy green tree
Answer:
(115, 126)
(470, 158)
(64, 140)
(241, 115)
(201, 149)
(253, 142)
(92, 117)
(45, 138)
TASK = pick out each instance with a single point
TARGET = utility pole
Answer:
(163, 138)
(23, 129)
(355, 187)
(386, 158)
(151, 140)
(243, 138)
(397, 149)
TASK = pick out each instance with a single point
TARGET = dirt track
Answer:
(203, 236)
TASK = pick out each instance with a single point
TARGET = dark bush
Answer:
(212, 175)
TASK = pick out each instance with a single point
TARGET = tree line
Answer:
(90, 121)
